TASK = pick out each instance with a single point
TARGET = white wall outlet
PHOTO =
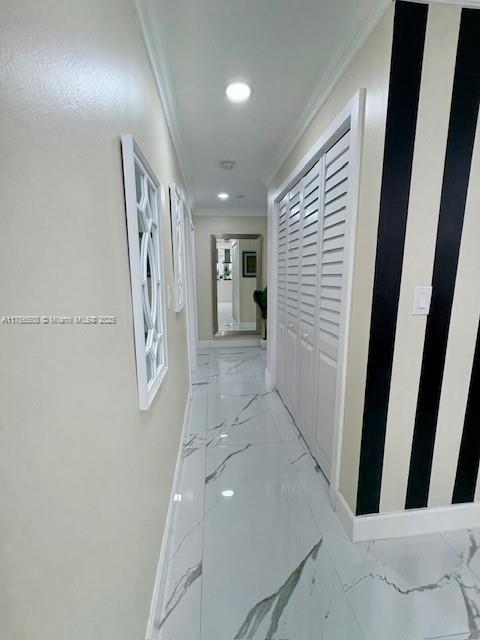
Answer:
(421, 301)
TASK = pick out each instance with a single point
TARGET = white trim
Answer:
(231, 212)
(191, 290)
(272, 234)
(269, 380)
(350, 118)
(156, 58)
(344, 514)
(227, 342)
(325, 87)
(412, 522)
(357, 116)
(161, 573)
(336, 128)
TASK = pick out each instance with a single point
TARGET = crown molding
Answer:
(229, 212)
(324, 88)
(157, 60)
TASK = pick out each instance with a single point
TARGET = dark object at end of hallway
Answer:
(260, 298)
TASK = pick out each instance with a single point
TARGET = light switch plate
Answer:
(421, 301)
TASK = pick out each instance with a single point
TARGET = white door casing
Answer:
(191, 288)
(330, 362)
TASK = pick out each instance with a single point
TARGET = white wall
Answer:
(85, 476)
(205, 226)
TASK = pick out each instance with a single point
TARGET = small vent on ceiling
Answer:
(241, 195)
(227, 164)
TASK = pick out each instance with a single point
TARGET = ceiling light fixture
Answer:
(227, 164)
(227, 493)
(222, 196)
(238, 92)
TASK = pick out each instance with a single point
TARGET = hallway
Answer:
(283, 198)
(256, 551)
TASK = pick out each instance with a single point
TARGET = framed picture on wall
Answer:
(249, 262)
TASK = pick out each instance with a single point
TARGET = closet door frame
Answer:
(350, 118)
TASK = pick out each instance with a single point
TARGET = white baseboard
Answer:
(160, 576)
(228, 342)
(269, 380)
(412, 522)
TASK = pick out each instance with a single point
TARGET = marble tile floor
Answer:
(256, 551)
(226, 321)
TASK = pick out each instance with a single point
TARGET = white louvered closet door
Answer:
(311, 204)
(331, 291)
(294, 206)
(282, 248)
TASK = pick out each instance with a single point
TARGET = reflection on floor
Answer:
(257, 552)
(227, 323)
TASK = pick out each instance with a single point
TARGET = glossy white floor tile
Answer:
(256, 550)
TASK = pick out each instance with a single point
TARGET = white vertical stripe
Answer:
(460, 347)
(425, 191)
(371, 70)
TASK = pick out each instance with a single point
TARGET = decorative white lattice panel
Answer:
(142, 197)
(177, 212)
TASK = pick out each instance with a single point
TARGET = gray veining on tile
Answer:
(217, 472)
(191, 444)
(281, 598)
(179, 591)
(244, 559)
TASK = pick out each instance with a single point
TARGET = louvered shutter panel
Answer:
(293, 254)
(282, 259)
(282, 250)
(335, 214)
(311, 203)
(309, 251)
(332, 247)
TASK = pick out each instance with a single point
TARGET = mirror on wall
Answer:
(236, 274)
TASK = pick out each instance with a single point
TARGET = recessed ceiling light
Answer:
(227, 493)
(238, 91)
(222, 196)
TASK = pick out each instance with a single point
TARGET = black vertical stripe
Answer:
(458, 158)
(469, 456)
(405, 76)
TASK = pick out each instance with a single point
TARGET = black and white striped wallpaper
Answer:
(422, 396)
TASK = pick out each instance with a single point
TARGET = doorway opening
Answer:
(236, 274)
